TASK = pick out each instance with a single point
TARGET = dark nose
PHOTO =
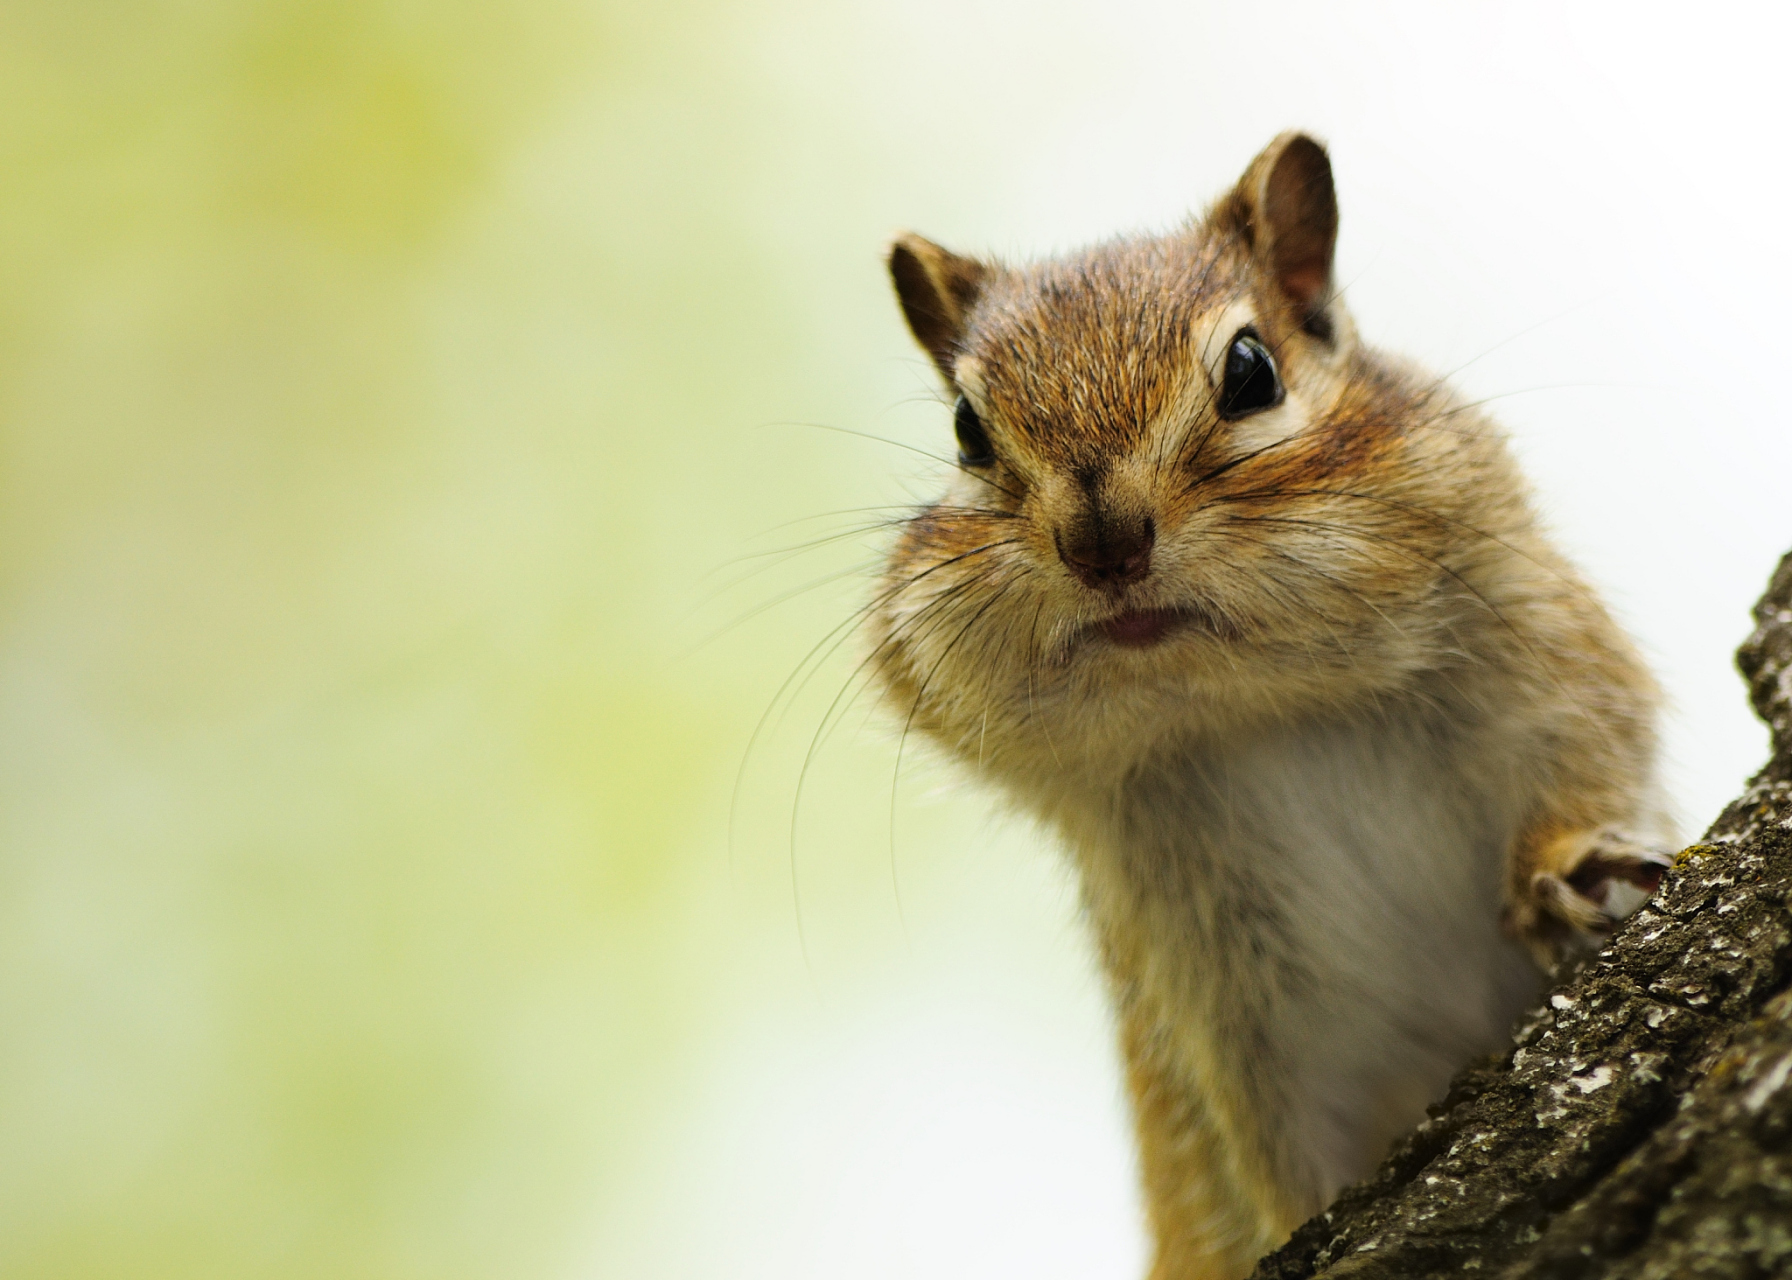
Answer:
(1109, 557)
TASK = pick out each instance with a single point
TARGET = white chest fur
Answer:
(1312, 917)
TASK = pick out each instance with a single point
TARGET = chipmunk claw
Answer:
(1589, 882)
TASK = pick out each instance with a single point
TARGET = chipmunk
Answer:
(1261, 623)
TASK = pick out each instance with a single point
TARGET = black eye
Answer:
(973, 440)
(1251, 379)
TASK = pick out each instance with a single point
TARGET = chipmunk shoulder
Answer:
(1262, 624)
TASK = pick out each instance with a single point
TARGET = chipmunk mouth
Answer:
(1142, 628)
(1146, 628)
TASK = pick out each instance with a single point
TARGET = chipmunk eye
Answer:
(973, 441)
(1252, 382)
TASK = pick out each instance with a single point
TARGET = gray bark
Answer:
(1641, 1126)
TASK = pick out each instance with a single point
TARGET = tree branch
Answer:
(1641, 1126)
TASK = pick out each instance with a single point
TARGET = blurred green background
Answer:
(391, 399)
(406, 410)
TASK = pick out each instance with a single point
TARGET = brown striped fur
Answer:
(1389, 749)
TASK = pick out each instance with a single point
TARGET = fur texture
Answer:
(1352, 740)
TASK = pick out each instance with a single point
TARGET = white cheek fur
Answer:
(1272, 426)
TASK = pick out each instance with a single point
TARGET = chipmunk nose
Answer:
(1108, 556)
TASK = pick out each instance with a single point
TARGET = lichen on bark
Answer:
(1641, 1125)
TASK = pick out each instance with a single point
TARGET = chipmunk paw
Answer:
(1586, 882)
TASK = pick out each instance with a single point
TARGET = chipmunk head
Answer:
(1152, 436)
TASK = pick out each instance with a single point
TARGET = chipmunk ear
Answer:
(936, 289)
(1287, 209)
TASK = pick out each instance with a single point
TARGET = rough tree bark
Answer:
(1641, 1126)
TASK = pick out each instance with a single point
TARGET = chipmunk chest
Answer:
(1322, 848)
(1316, 916)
